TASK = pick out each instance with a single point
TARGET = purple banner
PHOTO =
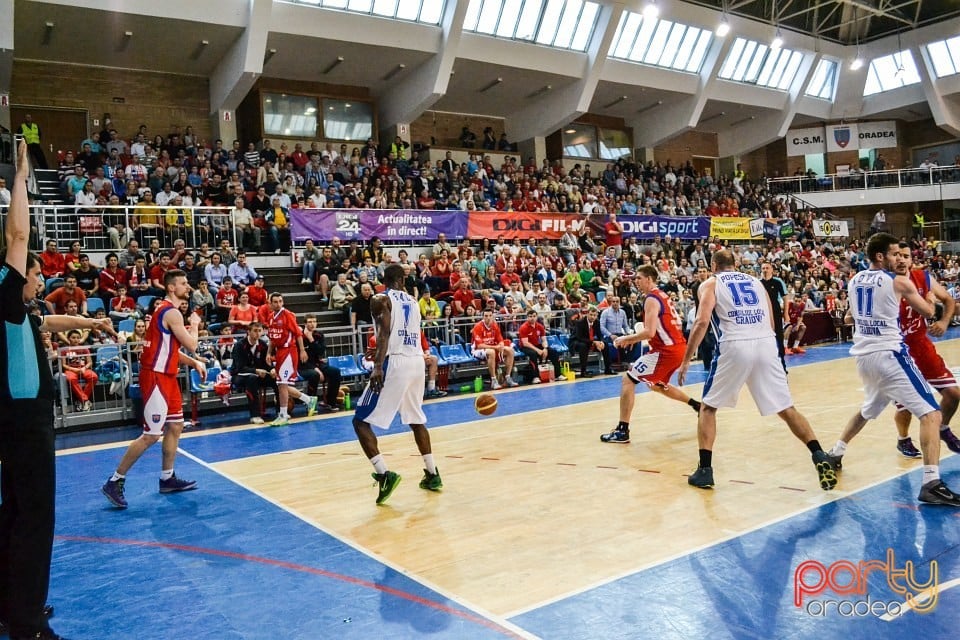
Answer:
(650, 227)
(404, 225)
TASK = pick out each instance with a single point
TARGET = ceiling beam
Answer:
(236, 73)
(945, 113)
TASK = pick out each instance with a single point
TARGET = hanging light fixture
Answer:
(857, 62)
(651, 10)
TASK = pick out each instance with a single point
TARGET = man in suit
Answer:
(586, 336)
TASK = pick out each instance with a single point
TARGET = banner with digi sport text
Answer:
(650, 227)
(731, 228)
(403, 225)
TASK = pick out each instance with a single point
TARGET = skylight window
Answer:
(945, 56)
(660, 43)
(823, 84)
(564, 24)
(754, 63)
(425, 11)
(891, 72)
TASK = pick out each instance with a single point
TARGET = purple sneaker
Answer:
(113, 490)
(175, 484)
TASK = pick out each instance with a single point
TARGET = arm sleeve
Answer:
(11, 293)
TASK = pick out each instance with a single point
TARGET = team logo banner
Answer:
(778, 229)
(842, 137)
(730, 228)
(830, 229)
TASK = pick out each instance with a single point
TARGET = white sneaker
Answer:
(536, 381)
(511, 382)
(561, 377)
(256, 420)
(87, 406)
(495, 385)
(276, 252)
(305, 281)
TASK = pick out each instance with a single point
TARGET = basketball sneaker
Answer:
(952, 442)
(618, 435)
(825, 470)
(798, 350)
(936, 492)
(256, 420)
(312, 406)
(175, 484)
(431, 481)
(702, 477)
(386, 483)
(907, 449)
(113, 490)
(280, 421)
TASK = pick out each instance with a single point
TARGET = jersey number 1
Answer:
(865, 301)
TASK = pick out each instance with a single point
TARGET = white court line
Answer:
(836, 495)
(920, 598)
(506, 624)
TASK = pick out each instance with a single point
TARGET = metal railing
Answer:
(861, 180)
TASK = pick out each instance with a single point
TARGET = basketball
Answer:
(485, 404)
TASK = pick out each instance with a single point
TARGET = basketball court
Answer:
(541, 530)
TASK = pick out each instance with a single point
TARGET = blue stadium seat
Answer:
(455, 354)
(53, 284)
(197, 385)
(94, 304)
(127, 326)
(108, 352)
(556, 343)
(144, 301)
(441, 361)
(517, 353)
(347, 365)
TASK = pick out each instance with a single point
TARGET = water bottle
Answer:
(346, 401)
(467, 388)
(478, 384)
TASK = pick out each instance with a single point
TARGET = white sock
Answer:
(166, 474)
(944, 427)
(283, 413)
(378, 463)
(305, 399)
(838, 449)
(431, 385)
(931, 473)
(117, 476)
(902, 438)
(428, 463)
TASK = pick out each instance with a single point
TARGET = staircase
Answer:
(299, 298)
(64, 228)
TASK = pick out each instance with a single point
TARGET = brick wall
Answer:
(159, 100)
(683, 147)
(444, 127)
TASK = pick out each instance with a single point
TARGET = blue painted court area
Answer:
(222, 563)
(744, 587)
(225, 563)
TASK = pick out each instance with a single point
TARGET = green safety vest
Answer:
(918, 219)
(31, 132)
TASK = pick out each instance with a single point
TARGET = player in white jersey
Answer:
(396, 383)
(885, 367)
(739, 309)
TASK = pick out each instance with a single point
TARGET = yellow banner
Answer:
(730, 228)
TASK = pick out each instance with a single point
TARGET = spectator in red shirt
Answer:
(509, 275)
(158, 271)
(57, 301)
(52, 261)
(77, 366)
(122, 306)
(227, 297)
(614, 234)
(533, 342)
(111, 278)
(462, 297)
(258, 294)
(488, 344)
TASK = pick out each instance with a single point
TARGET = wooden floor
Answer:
(535, 507)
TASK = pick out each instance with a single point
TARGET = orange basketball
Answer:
(485, 404)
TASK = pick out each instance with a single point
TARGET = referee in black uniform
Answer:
(777, 291)
(27, 460)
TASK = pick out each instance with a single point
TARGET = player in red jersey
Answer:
(662, 326)
(160, 361)
(488, 345)
(287, 352)
(795, 326)
(924, 354)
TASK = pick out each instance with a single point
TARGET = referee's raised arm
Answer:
(17, 229)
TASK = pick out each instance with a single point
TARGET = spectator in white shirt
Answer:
(166, 196)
